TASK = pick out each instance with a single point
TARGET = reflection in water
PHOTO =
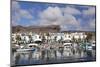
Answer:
(17, 58)
(61, 50)
(53, 55)
(50, 56)
(43, 54)
(30, 56)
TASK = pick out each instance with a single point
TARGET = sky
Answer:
(68, 16)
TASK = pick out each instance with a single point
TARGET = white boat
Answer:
(33, 44)
(25, 49)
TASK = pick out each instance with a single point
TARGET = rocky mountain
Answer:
(49, 28)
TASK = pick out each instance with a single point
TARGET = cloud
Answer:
(15, 6)
(25, 14)
(13, 23)
(54, 16)
(51, 14)
(92, 23)
(89, 11)
(88, 27)
(71, 10)
(69, 17)
(18, 13)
